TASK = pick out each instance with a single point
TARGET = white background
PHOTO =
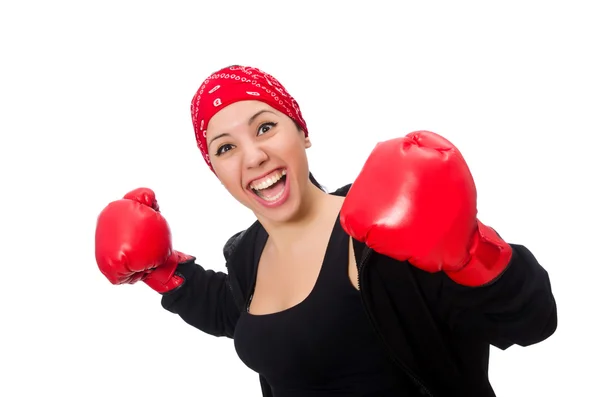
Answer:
(94, 101)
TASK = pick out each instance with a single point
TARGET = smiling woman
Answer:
(253, 136)
(390, 286)
(261, 159)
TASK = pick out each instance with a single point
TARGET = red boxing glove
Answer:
(133, 243)
(415, 200)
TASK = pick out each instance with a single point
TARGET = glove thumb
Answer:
(145, 196)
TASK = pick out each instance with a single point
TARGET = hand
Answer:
(133, 243)
(415, 200)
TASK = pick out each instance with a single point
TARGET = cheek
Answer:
(291, 149)
(295, 154)
(229, 176)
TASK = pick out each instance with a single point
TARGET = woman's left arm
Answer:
(515, 307)
(415, 200)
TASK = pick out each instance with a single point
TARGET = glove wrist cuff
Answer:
(489, 256)
(163, 279)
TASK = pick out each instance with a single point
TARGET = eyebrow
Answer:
(250, 121)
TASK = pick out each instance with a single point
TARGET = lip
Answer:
(262, 176)
(270, 204)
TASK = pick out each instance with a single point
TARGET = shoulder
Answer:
(240, 252)
(242, 240)
(232, 243)
(342, 191)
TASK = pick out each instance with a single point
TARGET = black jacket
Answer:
(438, 332)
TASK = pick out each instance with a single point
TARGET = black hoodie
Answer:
(438, 332)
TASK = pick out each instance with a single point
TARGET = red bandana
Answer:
(238, 83)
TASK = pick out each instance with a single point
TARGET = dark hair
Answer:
(314, 181)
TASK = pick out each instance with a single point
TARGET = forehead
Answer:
(235, 115)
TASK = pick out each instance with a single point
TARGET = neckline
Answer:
(328, 252)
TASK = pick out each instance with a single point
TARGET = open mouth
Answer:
(270, 189)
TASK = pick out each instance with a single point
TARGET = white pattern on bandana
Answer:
(227, 82)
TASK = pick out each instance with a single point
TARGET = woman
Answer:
(390, 286)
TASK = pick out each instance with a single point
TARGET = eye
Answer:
(223, 149)
(265, 127)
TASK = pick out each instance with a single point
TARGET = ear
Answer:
(307, 142)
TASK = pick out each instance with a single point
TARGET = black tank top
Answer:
(323, 346)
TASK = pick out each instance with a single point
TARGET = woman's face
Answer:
(259, 155)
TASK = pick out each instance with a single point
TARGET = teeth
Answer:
(271, 199)
(270, 181)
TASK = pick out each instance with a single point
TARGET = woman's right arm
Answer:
(133, 243)
(204, 300)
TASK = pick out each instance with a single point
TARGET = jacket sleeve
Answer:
(205, 300)
(516, 308)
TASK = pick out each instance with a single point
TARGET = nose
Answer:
(254, 156)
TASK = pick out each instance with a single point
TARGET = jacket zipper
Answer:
(365, 257)
(237, 302)
(244, 305)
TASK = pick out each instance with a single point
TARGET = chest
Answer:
(309, 329)
(284, 281)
